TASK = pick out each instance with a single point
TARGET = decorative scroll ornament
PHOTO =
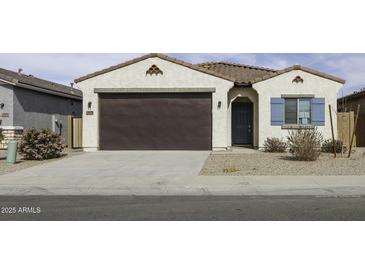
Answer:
(298, 79)
(154, 70)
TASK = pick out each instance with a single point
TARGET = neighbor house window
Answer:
(298, 111)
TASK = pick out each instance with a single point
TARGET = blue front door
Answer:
(242, 123)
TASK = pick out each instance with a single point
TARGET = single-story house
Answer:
(350, 103)
(27, 101)
(156, 102)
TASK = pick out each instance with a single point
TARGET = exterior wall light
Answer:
(89, 111)
(2, 105)
(219, 104)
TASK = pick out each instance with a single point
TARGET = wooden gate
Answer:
(74, 132)
(345, 127)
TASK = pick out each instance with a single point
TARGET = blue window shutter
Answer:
(277, 111)
(317, 111)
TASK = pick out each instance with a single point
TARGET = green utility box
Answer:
(12, 151)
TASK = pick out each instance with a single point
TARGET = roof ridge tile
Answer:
(238, 65)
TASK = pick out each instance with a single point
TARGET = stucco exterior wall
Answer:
(174, 76)
(40, 110)
(282, 84)
(6, 97)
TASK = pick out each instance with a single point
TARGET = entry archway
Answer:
(243, 117)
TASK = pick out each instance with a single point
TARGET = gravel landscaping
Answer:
(22, 164)
(261, 163)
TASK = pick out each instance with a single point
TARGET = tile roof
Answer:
(242, 74)
(19, 79)
(238, 73)
(152, 55)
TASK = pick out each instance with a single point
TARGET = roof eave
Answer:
(352, 96)
(9, 81)
(15, 82)
(153, 55)
(305, 69)
(48, 91)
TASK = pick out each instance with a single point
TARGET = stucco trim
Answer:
(297, 96)
(153, 90)
(287, 126)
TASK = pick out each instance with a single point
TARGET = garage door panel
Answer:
(155, 121)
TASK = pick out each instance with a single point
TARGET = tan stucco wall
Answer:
(177, 76)
(174, 76)
(239, 94)
(282, 84)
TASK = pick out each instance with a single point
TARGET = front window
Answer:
(298, 111)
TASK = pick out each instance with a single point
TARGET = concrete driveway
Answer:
(161, 173)
(122, 163)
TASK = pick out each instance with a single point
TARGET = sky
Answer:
(65, 67)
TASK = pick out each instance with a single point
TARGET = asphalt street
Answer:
(182, 208)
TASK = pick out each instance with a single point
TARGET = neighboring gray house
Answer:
(27, 101)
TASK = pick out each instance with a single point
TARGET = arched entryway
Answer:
(243, 117)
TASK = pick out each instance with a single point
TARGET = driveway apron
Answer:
(123, 163)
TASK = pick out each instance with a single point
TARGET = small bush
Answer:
(305, 144)
(275, 145)
(41, 144)
(327, 146)
(230, 169)
(1, 135)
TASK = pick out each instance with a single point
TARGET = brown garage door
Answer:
(155, 121)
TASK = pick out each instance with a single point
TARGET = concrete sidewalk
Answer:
(183, 185)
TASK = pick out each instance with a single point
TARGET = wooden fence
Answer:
(345, 127)
(74, 131)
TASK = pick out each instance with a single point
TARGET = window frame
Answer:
(296, 106)
(298, 98)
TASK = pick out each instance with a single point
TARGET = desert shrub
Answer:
(41, 144)
(327, 146)
(230, 169)
(305, 144)
(275, 145)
